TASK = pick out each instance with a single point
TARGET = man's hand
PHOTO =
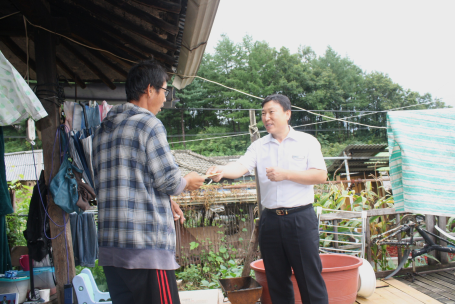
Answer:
(193, 181)
(276, 174)
(178, 213)
(216, 169)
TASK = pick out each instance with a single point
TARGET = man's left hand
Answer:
(178, 213)
(276, 174)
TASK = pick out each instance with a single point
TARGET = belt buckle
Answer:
(280, 212)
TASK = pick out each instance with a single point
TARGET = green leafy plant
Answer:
(16, 223)
(98, 275)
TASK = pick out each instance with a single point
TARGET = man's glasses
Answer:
(166, 92)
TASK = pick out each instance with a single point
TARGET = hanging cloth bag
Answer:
(63, 186)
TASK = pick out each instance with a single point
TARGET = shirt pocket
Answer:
(298, 162)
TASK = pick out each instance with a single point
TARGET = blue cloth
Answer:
(422, 160)
(85, 239)
(135, 172)
(93, 117)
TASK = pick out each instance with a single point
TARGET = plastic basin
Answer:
(340, 273)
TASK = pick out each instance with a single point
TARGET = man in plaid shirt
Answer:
(135, 174)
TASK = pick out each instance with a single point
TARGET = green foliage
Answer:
(98, 275)
(215, 262)
(18, 144)
(328, 82)
(15, 223)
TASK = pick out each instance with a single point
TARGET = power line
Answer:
(231, 133)
(227, 109)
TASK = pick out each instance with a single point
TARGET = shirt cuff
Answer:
(180, 188)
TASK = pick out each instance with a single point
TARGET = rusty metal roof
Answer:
(20, 166)
(364, 165)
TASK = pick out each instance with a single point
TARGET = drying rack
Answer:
(331, 219)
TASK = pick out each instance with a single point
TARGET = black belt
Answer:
(286, 211)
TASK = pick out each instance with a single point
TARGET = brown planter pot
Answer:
(340, 273)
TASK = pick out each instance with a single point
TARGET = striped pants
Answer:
(142, 286)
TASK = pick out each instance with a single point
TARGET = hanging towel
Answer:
(5, 208)
(85, 239)
(422, 160)
(17, 100)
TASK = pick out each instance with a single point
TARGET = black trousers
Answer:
(141, 286)
(287, 241)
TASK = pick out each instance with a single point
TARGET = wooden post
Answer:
(429, 222)
(443, 256)
(335, 235)
(183, 128)
(368, 240)
(397, 219)
(254, 135)
(46, 73)
(254, 241)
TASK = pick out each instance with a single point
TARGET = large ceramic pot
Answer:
(340, 273)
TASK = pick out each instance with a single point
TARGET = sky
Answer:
(411, 41)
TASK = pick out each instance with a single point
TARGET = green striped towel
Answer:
(422, 160)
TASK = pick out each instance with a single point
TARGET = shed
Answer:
(363, 162)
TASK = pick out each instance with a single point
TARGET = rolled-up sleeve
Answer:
(166, 175)
(249, 160)
(315, 158)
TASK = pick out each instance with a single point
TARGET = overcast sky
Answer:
(411, 41)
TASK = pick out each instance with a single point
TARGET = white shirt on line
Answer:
(298, 151)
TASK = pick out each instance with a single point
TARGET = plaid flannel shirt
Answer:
(135, 173)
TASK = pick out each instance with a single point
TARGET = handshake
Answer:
(194, 181)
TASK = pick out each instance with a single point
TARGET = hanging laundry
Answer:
(75, 156)
(85, 239)
(422, 160)
(37, 242)
(106, 109)
(5, 208)
(77, 117)
(92, 114)
(68, 107)
(17, 100)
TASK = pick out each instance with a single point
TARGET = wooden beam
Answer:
(150, 19)
(18, 52)
(88, 64)
(62, 246)
(100, 56)
(161, 5)
(110, 44)
(101, 12)
(113, 35)
(70, 73)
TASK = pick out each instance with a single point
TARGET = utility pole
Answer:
(254, 241)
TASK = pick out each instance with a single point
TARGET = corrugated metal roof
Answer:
(20, 166)
(21, 163)
(361, 151)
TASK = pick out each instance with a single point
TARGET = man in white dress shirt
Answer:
(288, 163)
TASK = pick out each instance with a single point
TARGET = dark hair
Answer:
(141, 75)
(281, 99)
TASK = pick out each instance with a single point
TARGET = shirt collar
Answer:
(292, 135)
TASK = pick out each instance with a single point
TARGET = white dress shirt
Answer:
(299, 151)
